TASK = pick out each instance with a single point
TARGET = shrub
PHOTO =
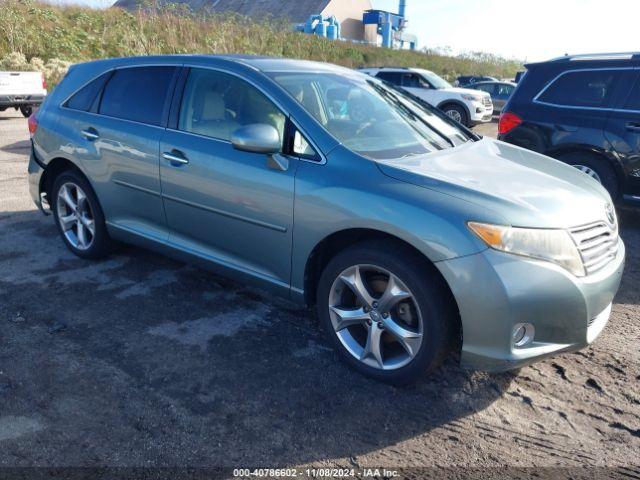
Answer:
(59, 35)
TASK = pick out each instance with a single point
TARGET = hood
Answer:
(525, 188)
(466, 91)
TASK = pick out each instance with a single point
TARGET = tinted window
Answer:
(137, 94)
(633, 102)
(583, 89)
(505, 90)
(489, 88)
(84, 98)
(215, 104)
(411, 80)
(391, 77)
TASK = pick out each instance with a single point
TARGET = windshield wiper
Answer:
(401, 105)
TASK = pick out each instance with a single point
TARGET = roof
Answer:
(262, 63)
(618, 57)
(295, 10)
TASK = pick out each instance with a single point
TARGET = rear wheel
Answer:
(26, 110)
(387, 314)
(457, 113)
(79, 216)
(597, 167)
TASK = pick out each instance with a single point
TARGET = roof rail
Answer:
(598, 56)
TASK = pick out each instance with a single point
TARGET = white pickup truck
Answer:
(22, 90)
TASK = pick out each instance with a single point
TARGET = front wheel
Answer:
(386, 312)
(26, 110)
(457, 113)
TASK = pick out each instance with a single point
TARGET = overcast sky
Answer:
(524, 29)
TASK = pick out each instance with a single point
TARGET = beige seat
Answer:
(212, 120)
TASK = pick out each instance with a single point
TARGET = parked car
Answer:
(519, 76)
(585, 111)
(413, 236)
(22, 90)
(467, 80)
(468, 107)
(500, 92)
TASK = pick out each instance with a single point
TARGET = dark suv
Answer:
(585, 111)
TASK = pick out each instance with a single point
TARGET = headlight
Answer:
(472, 98)
(551, 245)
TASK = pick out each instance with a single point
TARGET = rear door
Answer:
(578, 104)
(623, 132)
(118, 144)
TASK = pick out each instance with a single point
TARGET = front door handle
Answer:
(175, 157)
(633, 126)
(90, 134)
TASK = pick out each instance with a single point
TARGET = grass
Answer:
(61, 35)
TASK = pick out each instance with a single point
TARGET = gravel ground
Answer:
(142, 361)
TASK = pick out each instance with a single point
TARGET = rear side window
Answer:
(83, 99)
(391, 77)
(589, 88)
(633, 102)
(137, 94)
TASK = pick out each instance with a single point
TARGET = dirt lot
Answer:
(139, 360)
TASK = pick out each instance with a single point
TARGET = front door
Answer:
(228, 206)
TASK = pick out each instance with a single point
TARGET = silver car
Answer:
(500, 92)
(414, 237)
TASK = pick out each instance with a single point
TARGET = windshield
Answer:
(369, 117)
(436, 81)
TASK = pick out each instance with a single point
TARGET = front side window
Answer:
(488, 87)
(505, 90)
(588, 88)
(369, 117)
(138, 94)
(215, 104)
(392, 77)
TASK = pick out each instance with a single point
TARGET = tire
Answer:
(26, 110)
(429, 310)
(457, 113)
(597, 167)
(97, 243)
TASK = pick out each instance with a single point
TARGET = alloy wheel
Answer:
(589, 171)
(375, 317)
(454, 114)
(75, 216)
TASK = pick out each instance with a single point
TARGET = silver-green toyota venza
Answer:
(412, 235)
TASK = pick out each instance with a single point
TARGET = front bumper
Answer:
(480, 113)
(496, 291)
(18, 100)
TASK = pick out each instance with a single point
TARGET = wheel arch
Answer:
(609, 156)
(336, 242)
(53, 169)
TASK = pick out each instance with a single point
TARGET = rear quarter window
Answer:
(138, 94)
(83, 99)
(587, 89)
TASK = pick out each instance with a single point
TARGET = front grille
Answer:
(597, 243)
(486, 101)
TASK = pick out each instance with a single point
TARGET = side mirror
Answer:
(256, 138)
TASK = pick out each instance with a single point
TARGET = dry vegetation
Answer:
(37, 35)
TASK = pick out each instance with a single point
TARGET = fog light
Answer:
(522, 334)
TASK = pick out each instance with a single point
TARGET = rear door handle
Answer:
(175, 157)
(90, 134)
(633, 126)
